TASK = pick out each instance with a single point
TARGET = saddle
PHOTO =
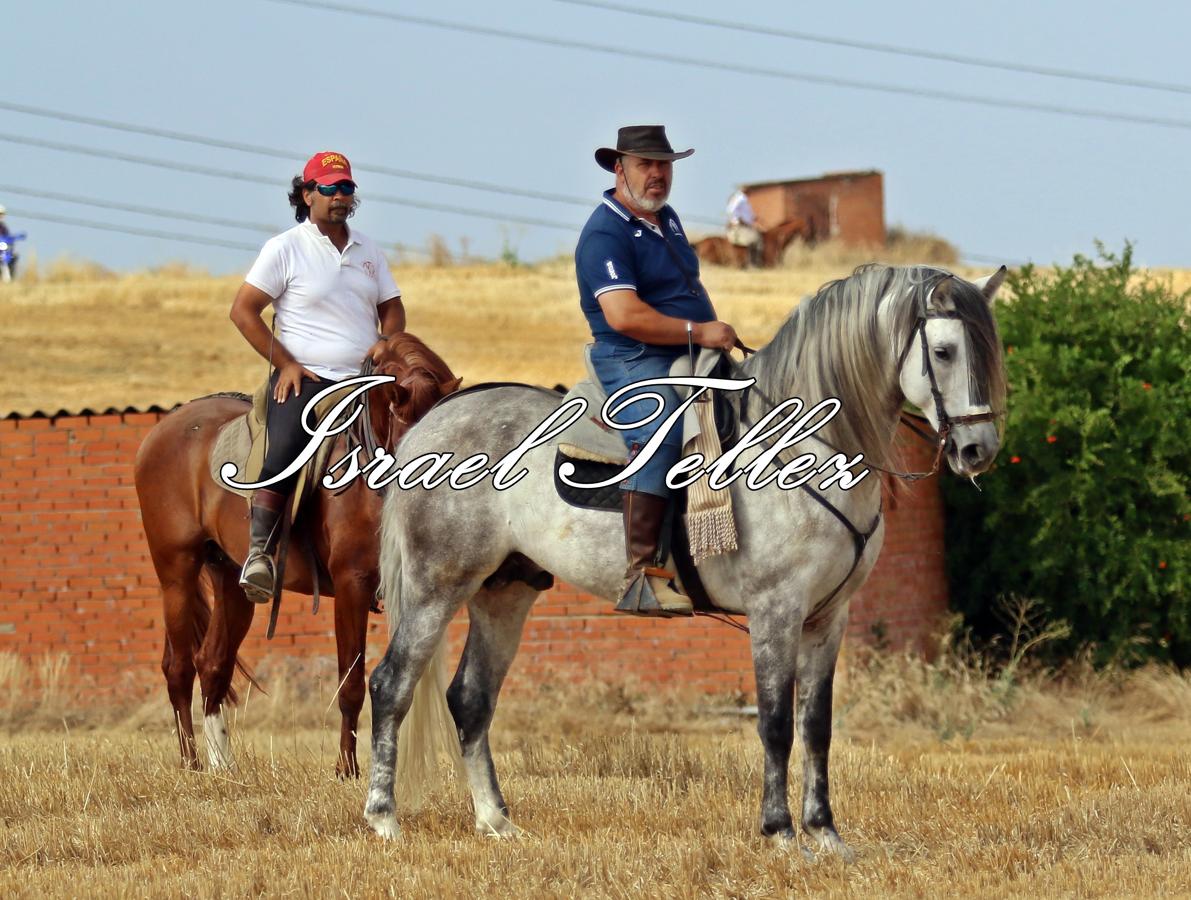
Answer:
(599, 449)
(598, 452)
(242, 441)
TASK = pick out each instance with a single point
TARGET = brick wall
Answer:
(848, 207)
(75, 576)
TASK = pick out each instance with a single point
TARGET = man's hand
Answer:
(377, 350)
(718, 335)
(289, 380)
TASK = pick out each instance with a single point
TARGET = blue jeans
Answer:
(617, 367)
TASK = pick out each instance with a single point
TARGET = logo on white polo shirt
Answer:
(611, 269)
(369, 268)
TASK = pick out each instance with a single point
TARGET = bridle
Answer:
(945, 420)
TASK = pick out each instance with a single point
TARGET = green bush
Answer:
(1087, 509)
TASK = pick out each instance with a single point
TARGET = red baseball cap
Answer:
(327, 167)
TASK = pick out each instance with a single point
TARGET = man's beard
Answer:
(652, 206)
(647, 204)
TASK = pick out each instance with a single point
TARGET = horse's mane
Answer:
(418, 369)
(833, 345)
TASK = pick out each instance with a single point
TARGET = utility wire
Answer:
(275, 153)
(141, 210)
(892, 49)
(807, 77)
(128, 229)
(272, 182)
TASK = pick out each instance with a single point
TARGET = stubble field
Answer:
(946, 781)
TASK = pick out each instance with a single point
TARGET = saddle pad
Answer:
(588, 471)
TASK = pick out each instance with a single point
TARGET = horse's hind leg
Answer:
(420, 630)
(496, 620)
(231, 615)
(817, 655)
(178, 575)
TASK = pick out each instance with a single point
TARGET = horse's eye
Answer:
(943, 354)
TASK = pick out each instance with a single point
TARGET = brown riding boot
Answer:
(258, 575)
(648, 591)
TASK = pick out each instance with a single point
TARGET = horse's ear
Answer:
(449, 387)
(990, 284)
(941, 300)
(401, 395)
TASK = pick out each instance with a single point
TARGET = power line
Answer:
(272, 182)
(275, 153)
(128, 229)
(807, 77)
(141, 210)
(892, 49)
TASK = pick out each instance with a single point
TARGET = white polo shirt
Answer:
(325, 301)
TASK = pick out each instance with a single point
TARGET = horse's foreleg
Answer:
(774, 641)
(817, 655)
(494, 633)
(419, 632)
(231, 616)
(353, 597)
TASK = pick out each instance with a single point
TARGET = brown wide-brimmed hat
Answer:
(646, 141)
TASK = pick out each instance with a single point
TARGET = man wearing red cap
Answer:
(334, 299)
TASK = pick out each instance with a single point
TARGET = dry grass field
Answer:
(74, 338)
(946, 783)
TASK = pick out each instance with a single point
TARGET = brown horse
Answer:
(719, 251)
(194, 525)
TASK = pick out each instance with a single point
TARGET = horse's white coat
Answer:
(438, 547)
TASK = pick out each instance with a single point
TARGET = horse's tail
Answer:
(210, 592)
(428, 732)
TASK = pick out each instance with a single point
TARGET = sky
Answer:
(1002, 184)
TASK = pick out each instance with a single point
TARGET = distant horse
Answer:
(872, 340)
(194, 525)
(719, 251)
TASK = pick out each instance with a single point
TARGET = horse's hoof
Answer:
(830, 842)
(787, 841)
(384, 824)
(497, 827)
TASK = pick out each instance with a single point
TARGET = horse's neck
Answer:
(767, 369)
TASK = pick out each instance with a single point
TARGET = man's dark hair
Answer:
(298, 202)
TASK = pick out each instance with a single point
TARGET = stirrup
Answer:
(258, 577)
(640, 599)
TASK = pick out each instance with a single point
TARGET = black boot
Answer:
(258, 575)
(648, 591)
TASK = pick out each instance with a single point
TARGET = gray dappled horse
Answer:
(872, 340)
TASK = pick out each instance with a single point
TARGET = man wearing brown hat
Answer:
(640, 291)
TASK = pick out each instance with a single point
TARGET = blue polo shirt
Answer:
(617, 251)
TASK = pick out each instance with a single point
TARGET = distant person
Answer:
(639, 289)
(742, 226)
(11, 265)
(335, 302)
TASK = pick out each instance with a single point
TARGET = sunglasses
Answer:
(346, 188)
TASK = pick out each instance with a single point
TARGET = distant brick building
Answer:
(844, 206)
(75, 577)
